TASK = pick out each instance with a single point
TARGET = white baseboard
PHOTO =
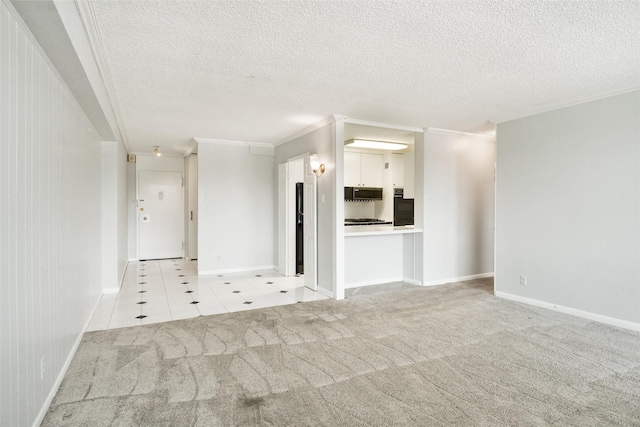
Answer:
(236, 270)
(54, 389)
(412, 281)
(625, 324)
(372, 282)
(326, 292)
(458, 279)
(382, 281)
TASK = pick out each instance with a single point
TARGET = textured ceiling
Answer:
(262, 70)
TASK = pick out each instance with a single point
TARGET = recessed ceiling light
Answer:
(378, 145)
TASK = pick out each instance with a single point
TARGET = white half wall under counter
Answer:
(379, 254)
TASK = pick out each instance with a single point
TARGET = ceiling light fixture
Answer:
(156, 150)
(317, 167)
(377, 145)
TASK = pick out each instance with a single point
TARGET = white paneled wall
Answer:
(49, 224)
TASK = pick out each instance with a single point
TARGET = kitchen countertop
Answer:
(374, 230)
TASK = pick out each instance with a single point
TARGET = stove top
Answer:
(365, 221)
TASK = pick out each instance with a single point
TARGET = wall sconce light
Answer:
(317, 167)
(156, 150)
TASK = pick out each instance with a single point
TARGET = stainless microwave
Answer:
(362, 193)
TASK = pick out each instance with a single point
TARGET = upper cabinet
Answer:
(362, 169)
(397, 170)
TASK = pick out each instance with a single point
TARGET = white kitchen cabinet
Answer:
(371, 170)
(397, 170)
(362, 169)
(351, 169)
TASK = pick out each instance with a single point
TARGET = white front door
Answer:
(310, 228)
(160, 215)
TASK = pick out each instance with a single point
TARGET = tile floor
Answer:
(164, 290)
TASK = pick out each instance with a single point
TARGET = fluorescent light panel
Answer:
(377, 145)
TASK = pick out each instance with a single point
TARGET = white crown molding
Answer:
(353, 121)
(558, 106)
(164, 155)
(87, 16)
(200, 140)
(191, 146)
(439, 131)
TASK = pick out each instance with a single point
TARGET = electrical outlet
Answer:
(42, 368)
(523, 280)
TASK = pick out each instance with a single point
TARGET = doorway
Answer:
(297, 220)
(299, 235)
(160, 215)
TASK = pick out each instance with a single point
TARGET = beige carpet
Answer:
(395, 355)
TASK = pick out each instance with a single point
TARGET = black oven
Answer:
(402, 209)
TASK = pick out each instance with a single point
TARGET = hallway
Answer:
(165, 290)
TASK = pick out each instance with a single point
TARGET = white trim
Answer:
(352, 121)
(558, 106)
(625, 324)
(237, 270)
(412, 281)
(458, 133)
(164, 155)
(88, 18)
(325, 292)
(106, 291)
(308, 129)
(373, 282)
(458, 279)
(337, 217)
(54, 389)
(191, 145)
(231, 142)
(133, 260)
(124, 273)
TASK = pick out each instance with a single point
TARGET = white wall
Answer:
(568, 207)
(236, 207)
(320, 142)
(122, 207)
(132, 214)
(114, 214)
(50, 224)
(191, 206)
(458, 210)
(109, 215)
